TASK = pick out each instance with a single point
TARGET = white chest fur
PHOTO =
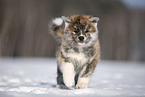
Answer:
(79, 57)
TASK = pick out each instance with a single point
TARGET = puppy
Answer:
(79, 50)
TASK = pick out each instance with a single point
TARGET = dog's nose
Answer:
(81, 38)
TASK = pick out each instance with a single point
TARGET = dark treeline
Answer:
(24, 27)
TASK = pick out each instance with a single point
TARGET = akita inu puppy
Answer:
(78, 51)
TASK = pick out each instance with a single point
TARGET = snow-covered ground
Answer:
(36, 77)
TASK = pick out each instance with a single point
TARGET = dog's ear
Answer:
(93, 19)
(67, 19)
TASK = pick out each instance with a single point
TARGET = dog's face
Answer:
(80, 30)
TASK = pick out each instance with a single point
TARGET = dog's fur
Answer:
(78, 51)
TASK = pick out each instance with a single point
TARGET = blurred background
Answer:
(24, 26)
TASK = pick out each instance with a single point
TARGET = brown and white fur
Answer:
(78, 51)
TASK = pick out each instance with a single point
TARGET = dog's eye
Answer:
(86, 28)
(86, 31)
(76, 30)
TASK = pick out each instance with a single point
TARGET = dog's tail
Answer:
(55, 28)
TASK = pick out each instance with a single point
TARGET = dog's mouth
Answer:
(81, 43)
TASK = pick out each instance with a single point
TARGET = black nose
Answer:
(81, 38)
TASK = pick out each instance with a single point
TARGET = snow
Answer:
(33, 77)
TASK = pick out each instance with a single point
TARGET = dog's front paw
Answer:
(69, 85)
(81, 86)
(82, 83)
